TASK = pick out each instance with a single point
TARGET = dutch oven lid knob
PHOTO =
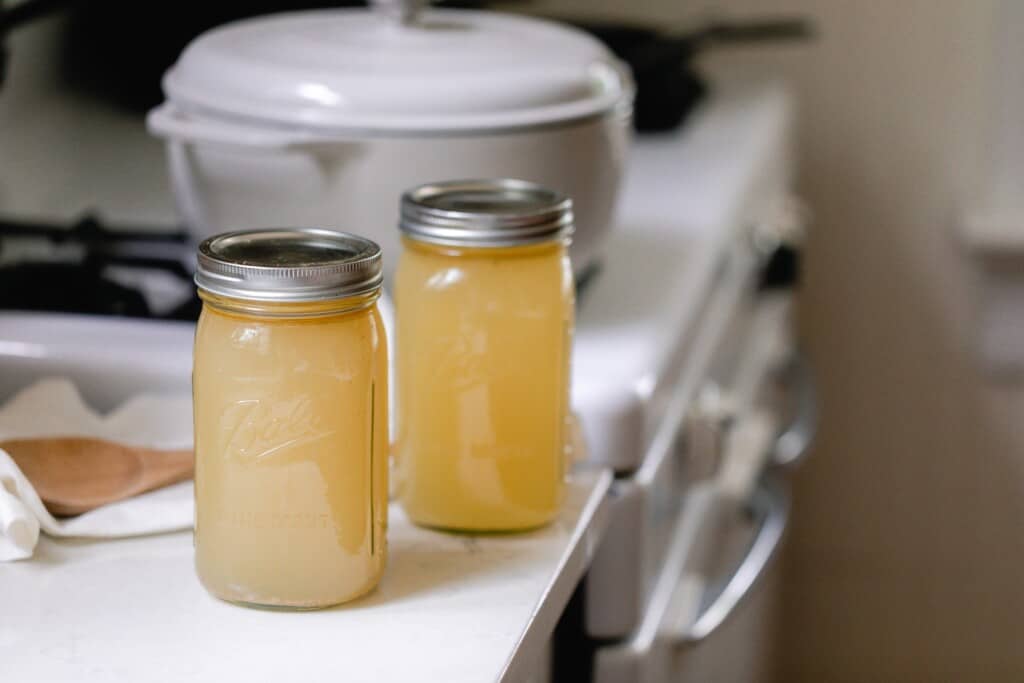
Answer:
(400, 11)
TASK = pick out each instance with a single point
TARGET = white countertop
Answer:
(450, 608)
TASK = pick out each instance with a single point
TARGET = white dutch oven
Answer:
(323, 118)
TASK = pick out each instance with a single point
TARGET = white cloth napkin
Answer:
(53, 407)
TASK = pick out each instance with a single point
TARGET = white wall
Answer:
(908, 551)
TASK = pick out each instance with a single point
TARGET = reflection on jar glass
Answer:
(290, 393)
(484, 303)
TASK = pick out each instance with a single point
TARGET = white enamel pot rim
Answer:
(171, 122)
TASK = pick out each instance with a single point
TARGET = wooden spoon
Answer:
(74, 475)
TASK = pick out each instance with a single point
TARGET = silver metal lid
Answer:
(288, 265)
(485, 213)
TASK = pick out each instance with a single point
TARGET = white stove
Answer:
(675, 379)
(690, 205)
(679, 357)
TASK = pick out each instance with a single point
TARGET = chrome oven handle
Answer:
(795, 441)
(771, 504)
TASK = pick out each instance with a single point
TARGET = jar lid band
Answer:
(288, 265)
(485, 213)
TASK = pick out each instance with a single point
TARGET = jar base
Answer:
(274, 608)
(483, 529)
(292, 607)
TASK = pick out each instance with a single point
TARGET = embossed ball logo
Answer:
(257, 430)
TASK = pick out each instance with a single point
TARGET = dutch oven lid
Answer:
(396, 69)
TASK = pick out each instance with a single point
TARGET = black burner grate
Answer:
(81, 268)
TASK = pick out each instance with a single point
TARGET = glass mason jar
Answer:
(484, 299)
(290, 398)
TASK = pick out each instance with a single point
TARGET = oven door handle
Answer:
(770, 504)
(794, 443)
